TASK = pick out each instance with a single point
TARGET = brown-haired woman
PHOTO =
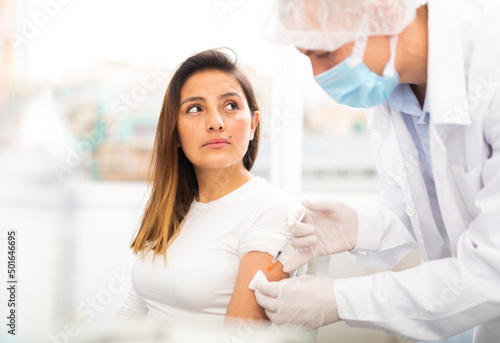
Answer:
(214, 223)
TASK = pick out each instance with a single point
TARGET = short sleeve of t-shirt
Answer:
(269, 233)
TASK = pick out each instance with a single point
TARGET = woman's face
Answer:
(215, 124)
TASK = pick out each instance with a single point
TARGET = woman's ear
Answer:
(255, 122)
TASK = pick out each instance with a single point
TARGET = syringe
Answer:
(275, 259)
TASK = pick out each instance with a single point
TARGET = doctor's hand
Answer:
(328, 227)
(303, 303)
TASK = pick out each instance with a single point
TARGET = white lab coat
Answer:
(455, 290)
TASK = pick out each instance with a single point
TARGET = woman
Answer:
(214, 223)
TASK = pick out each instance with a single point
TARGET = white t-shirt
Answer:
(199, 276)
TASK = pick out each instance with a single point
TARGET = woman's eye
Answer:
(194, 109)
(231, 106)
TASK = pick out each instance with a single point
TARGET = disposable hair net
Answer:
(328, 24)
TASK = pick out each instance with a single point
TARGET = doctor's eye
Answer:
(323, 54)
(194, 109)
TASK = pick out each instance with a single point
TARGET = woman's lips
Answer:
(216, 143)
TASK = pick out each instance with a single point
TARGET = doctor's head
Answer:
(360, 50)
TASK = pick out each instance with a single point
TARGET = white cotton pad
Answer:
(258, 278)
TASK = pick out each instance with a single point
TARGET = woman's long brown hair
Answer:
(171, 175)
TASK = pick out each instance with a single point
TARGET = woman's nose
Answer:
(214, 121)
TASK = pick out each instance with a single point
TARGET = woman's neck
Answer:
(216, 183)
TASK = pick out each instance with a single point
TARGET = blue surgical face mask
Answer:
(353, 84)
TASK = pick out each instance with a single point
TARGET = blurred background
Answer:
(81, 86)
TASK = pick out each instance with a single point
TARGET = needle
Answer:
(275, 259)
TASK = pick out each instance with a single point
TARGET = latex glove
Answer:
(329, 227)
(306, 302)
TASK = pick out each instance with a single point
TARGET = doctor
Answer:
(430, 75)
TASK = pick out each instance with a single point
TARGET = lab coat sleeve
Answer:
(439, 298)
(384, 229)
(134, 308)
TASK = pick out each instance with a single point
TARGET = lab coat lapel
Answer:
(423, 224)
(446, 82)
(402, 163)
(449, 110)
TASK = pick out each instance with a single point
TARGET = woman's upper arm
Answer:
(243, 303)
